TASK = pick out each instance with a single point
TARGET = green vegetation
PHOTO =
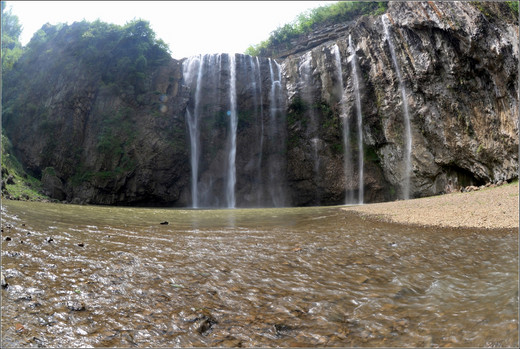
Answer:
(342, 11)
(504, 15)
(370, 154)
(114, 142)
(96, 57)
(110, 56)
(513, 5)
(16, 183)
(11, 47)
(296, 109)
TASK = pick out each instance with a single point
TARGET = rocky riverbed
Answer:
(91, 276)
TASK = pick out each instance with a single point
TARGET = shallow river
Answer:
(299, 277)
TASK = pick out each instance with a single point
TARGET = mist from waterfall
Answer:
(408, 133)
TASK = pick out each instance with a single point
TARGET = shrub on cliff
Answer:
(105, 53)
(306, 22)
(11, 46)
(53, 85)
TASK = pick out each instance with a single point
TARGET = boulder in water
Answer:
(4, 282)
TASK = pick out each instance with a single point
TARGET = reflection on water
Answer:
(115, 277)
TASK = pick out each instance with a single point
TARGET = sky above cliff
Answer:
(188, 27)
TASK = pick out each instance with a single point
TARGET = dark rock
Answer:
(204, 325)
(164, 223)
(76, 306)
(81, 244)
(53, 186)
(202, 322)
(10, 179)
(405, 292)
(4, 282)
(281, 329)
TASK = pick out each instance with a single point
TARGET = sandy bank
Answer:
(490, 208)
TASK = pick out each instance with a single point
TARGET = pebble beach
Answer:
(488, 208)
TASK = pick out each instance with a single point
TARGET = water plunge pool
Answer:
(306, 277)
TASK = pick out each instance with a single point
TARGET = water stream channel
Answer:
(301, 277)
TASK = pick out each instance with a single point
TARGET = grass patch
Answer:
(22, 186)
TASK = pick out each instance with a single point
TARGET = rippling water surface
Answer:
(115, 277)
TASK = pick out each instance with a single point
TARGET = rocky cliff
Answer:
(96, 119)
(169, 132)
(459, 66)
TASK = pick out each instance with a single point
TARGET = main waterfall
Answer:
(193, 69)
(228, 168)
(406, 115)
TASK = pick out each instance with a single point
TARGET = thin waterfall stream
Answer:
(347, 151)
(406, 115)
(306, 73)
(191, 69)
(276, 190)
(355, 78)
(233, 123)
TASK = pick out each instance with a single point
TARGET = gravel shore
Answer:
(488, 208)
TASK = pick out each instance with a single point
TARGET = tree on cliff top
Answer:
(341, 11)
(11, 46)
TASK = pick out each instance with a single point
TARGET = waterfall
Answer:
(233, 123)
(355, 78)
(408, 132)
(276, 189)
(190, 70)
(347, 158)
(256, 84)
(218, 83)
(305, 71)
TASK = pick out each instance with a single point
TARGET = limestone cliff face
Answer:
(459, 70)
(97, 143)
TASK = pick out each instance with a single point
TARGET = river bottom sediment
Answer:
(294, 277)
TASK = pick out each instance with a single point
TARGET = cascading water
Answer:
(256, 85)
(233, 123)
(190, 70)
(355, 78)
(275, 135)
(217, 83)
(347, 151)
(408, 132)
(307, 94)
